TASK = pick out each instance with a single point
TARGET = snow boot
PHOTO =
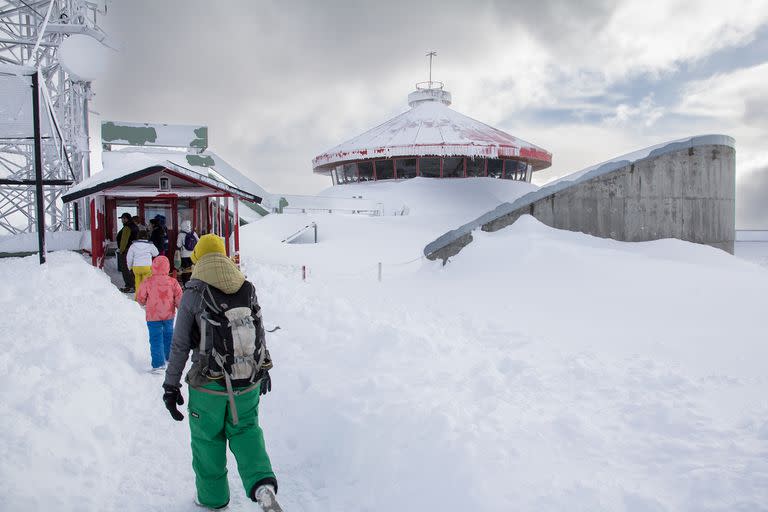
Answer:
(197, 502)
(265, 497)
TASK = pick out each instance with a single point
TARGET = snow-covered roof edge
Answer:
(415, 133)
(105, 179)
(16, 69)
(577, 178)
(119, 164)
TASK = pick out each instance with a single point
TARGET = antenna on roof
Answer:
(430, 84)
(431, 54)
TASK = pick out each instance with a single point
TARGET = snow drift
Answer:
(540, 370)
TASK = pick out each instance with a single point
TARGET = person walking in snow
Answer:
(161, 295)
(219, 321)
(125, 238)
(139, 258)
(185, 244)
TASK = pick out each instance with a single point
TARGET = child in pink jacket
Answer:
(161, 294)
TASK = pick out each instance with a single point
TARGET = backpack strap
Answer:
(230, 393)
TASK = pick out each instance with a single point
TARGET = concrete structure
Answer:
(433, 141)
(683, 189)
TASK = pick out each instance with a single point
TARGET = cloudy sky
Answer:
(280, 82)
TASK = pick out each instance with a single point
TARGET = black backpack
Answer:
(231, 346)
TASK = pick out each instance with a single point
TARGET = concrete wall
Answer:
(687, 194)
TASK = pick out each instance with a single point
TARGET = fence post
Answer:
(303, 272)
(379, 271)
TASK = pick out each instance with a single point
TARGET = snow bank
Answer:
(83, 423)
(353, 243)
(55, 241)
(540, 370)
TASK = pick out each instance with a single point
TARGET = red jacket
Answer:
(160, 292)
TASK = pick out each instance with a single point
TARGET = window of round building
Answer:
(406, 168)
(429, 167)
(385, 169)
(475, 167)
(453, 167)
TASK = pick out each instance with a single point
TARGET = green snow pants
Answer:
(210, 421)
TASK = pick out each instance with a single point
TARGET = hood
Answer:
(218, 271)
(161, 266)
(186, 226)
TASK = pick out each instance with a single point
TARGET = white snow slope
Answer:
(540, 370)
(354, 244)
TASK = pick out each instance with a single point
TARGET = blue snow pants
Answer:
(160, 337)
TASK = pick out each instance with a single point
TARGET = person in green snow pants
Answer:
(212, 422)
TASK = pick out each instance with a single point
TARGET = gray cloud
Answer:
(280, 82)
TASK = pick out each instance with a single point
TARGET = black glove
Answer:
(172, 397)
(266, 383)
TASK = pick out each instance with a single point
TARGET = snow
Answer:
(16, 104)
(357, 243)
(574, 179)
(432, 128)
(55, 241)
(540, 370)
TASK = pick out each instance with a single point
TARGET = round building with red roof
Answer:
(431, 140)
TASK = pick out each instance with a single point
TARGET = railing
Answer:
(301, 231)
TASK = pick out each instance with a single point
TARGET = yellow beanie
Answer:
(206, 245)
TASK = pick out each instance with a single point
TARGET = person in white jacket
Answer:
(185, 245)
(139, 257)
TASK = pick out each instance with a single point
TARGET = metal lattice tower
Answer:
(65, 147)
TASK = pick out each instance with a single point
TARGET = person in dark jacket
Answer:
(213, 421)
(156, 236)
(125, 238)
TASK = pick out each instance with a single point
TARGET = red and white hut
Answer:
(151, 181)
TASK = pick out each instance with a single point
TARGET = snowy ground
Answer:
(354, 244)
(756, 252)
(55, 241)
(540, 370)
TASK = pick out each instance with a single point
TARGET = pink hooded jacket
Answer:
(160, 292)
